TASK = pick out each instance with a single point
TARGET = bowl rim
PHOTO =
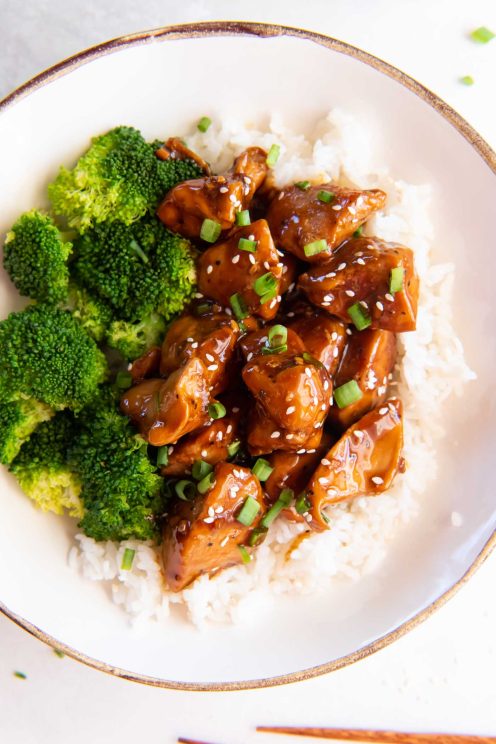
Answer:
(262, 30)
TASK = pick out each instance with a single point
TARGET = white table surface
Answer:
(438, 677)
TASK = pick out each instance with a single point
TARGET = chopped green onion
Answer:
(163, 456)
(302, 504)
(247, 245)
(467, 80)
(200, 469)
(278, 335)
(257, 536)
(58, 653)
(347, 394)
(262, 469)
(318, 246)
(204, 123)
(216, 410)
(210, 231)
(325, 196)
(303, 185)
(282, 502)
(248, 511)
(127, 559)
(203, 308)
(264, 284)
(325, 517)
(238, 307)
(20, 675)
(359, 316)
(206, 483)
(123, 380)
(233, 448)
(312, 360)
(358, 232)
(243, 218)
(274, 349)
(273, 155)
(482, 35)
(268, 296)
(139, 251)
(245, 556)
(185, 490)
(396, 279)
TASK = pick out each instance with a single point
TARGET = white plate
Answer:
(160, 82)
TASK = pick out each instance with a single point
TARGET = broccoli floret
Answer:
(133, 339)
(137, 268)
(91, 312)
(121, 493)
(42, 470)
(18, 420)
(118, 178)
(35, 257)
(46, 355)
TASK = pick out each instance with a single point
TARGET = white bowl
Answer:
(160, 81)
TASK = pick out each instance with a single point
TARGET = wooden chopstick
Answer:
(378, 737)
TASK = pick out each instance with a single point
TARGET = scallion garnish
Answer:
(127, 559)
(265, 284)
(277, 335)
(216, 410)
(210, 231)
(185, 490)
(467, 80)
(396, 279)
(347, 394)
(203, 308)
(273, 155)
(358, 232)
(20, 675)
(248, 511)
(238, 307)
(262, 469)
(204, 123)
(58, 653)
(268, 296)
(302, 504)
(245, 556)
(123, 380)
(325, 196)
(257, 536)
(312, 360)
(200, 469)
(233, 448)
(243, 218)
(284, 500)
(318, 246)
(206, 483)
(274, 349)
(162, 456)
(139, 251)
(247, 245)
(303, 185)
(482, 35)
(359, 316)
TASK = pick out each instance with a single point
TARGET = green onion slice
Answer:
(124, 380)
(245, 556)
(312, 360)
(347, 394)
(233, 448)
(302, 504)
(325, 196)
(262, 469)
(247, 245)
(359, 316)
(185, 490)
(273, 155)
(274, 349)
(318, 246)
(200, 469)
(264, 284)
(139, 251)
(127, 559)
(206, 483)
(58, 653)
(210, 231)
(303, 185)
(358, 232)
(243, 218)
(238, 307)
(203, 308)
(268, 296)
(482, 35)
(467, 80)
(257, 536)
(284, 500)
(162, 456)
(204, 123)
(278, 335)
(216, 410)
(20, 675)
(396, 279)
(248, 511)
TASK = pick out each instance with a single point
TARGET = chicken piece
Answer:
(210, 338)
(203, 535)
(359, 275)
(362, 463)
(252, 166)
(324, 337)
(293, 470)
(147, 365)
(210, 443)
(216, 198)
(164, 410)
(225, 270)
(298, 217)
(369, 359)
(264, 435)
(175, 149)
(253, 344)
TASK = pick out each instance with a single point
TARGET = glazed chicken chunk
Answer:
(324, 337)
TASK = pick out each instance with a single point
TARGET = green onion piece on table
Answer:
(347, 394)
(248, 511)
(359, 316)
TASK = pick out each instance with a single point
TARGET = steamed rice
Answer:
(430, 368)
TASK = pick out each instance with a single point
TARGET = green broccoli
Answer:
(91, 312)
(42, 470)
(133, 339)
(46, 355)
(35, 257)
(121, 492)
(18, 420)
(118, 178)
(137, 269)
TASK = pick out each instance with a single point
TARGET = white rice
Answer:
(432, 368)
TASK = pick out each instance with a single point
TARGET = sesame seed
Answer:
(252, 258)
(209, 520)
(381, 390)
(324, 461)
(189, 340)
(389, 297)
(335, 352)
(358, 433)
(223, 189)
(251, 237)
(300, 451)
(281, 195)
(224, 541)
(229, 429)
(228, 311)
(273, 303)
(280, 253)
(266, 265)
(198, 295)
(324, 481)
(383, 410)
(212, 367)
(334, 336)
(210, 269)
(364, 304)
(379, 306)
(235, 409)
(352, 210)
(317, 425)
(275, 435)
(235, 258)
(247, 190)
(291, 409)
(171, 450)
(210, 357)
(308, 372)
(342, 266)
(220, 436)
(310, 452)
(325, 304)
(232, 198)
(239, 474)
(195, 345)
(332, 491)
(289, 436)
(211, 511)
(247, 179)
(331, 274)
(360, 261)
(348, 332)
(328, 298)
(377, 480)
(350, 293)
(326, 385)
(308, 517)
(323, 407)
(249, 356)
(290, 315)
(204, 453)
(337, 207)
(331, 399)
(219, 510)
